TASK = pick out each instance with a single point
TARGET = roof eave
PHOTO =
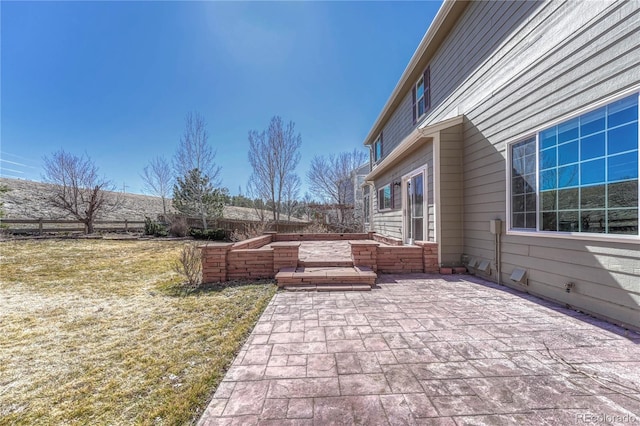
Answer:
(442, 23)
(410, 143)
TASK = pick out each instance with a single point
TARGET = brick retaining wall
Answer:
(251, 259)
(400, 259)
(249, 263)
(430, 256)
(322, 237)
(254, 243)
(391, 241)
(365, 253)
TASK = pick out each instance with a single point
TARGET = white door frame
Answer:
(405, 204)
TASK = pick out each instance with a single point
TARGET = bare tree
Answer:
(79, 190)
(257, 199)
(194, 151)
(291, 193)
(157, 178)
(195, 154)
(330, 178)
(306, 203)
(273, 155)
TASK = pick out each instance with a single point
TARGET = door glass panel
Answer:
(415, 208)
(407, 212)
(417, 229)
(418, 195)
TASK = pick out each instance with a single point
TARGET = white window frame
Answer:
(380, 205)
(535, 133)
(425, 197)
(533, 136)
(376, 144)
(366, 206)
(416, 99)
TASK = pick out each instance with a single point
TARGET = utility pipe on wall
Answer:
(495, 227)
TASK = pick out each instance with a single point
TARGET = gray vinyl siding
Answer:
(390, 222)
(387, 222)
(561, 58)
(511, 67)
(451, 196)
(399, 125)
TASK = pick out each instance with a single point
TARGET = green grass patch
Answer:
(99, 332)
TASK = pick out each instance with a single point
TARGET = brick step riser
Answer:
(326, 278)
(323, 287)
(322, 264)
(301, 281)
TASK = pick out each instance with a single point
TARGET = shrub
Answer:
(251, 230)
(190, 265)
(179, 227)
(151, 227)
(316, 228)
(210, 234)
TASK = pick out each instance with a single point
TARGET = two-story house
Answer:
(511, 140)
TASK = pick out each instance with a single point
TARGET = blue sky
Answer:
(115, 80)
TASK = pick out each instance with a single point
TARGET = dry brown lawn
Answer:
(97, 332)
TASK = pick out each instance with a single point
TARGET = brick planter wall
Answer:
(285, 255)
(400, 259)
(364, 253)
(320, 237)
(429, 256)
(249, 263)
(217, 261)
(249, 259)
(387, 240)
(214, 262)
(254, 243)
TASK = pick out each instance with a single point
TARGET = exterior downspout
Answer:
(499, 258)
(495, 227)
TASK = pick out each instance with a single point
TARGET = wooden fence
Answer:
(230, 225)
(238, 225)
(41, 226)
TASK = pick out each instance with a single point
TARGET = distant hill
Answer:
(28, 200)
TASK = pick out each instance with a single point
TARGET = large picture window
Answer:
(586, 170)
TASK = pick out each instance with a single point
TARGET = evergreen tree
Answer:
(195, 195)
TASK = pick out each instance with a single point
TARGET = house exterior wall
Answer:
(399, 125)
(511, 68)
(451, 196)
(389, 222)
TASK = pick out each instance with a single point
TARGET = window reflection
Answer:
(587, 174)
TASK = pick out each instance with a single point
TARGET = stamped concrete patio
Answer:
(429, 349)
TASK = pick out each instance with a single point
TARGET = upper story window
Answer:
(422, 96)
(580, 176)
(377, 149)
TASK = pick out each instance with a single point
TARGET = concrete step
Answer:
(328, 287)
(334, 278)
(325, 263)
